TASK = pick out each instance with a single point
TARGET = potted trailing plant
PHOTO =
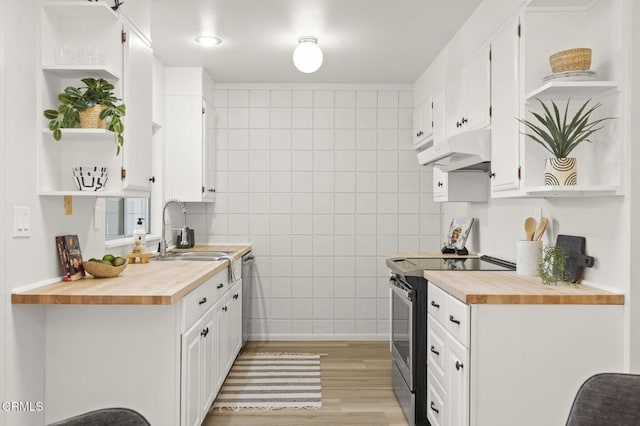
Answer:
(553, 267)
(92, 106)
(560, 135)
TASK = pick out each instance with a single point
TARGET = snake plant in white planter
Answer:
(560, 135)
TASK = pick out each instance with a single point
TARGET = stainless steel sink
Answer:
(202, 256)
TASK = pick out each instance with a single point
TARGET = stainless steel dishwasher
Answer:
(247, 293)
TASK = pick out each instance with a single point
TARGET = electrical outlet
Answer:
(21, 221)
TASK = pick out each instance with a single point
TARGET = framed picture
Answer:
(458, 232)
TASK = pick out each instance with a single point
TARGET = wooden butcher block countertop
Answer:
(506, 287)
(153, 283)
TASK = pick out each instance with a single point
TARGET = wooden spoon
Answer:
(529, 228)
(540, 229)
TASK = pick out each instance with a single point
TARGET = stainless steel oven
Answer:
(409, 324)
(402, 344)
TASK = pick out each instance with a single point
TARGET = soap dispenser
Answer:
(139, 235)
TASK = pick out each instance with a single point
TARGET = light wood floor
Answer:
(356, 388)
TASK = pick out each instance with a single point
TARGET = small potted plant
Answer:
(92, 106)
(553, 267)
(560, 135)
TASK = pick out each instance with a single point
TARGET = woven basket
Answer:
(571, 60)
(90, 118)
(102, 270)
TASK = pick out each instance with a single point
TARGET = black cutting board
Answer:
(574, 250)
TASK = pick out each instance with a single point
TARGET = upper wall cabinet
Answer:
(506, 101)
(598, 25)
(423, 123)
(87, 39)
(468, 95)
(189, 136)
(137, 85)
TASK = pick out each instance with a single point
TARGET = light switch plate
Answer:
(21, 221)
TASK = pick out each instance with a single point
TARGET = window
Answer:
(122, 215)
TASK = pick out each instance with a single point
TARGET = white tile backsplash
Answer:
(324, 184)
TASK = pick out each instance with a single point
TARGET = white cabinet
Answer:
(464, 185)
(210, 345)
(488, 364)
(506, 100)
(423, 122)
(197, 369)
(189, 136)
(439, 116)
(136, 159)
(166, 361)
(85, 39)
(468, 95)
(447, 359)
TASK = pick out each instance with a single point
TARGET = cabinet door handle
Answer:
(459, 365)
(433, 408)
(204, 332)
(453, 320)
(464, 120)
(434, 304)
(492, 175)
(152, 179)
(458, 124)
(202, 301)
(220, 286)
(434, 351)
(235, 296)
(224, 308)
(440, 184)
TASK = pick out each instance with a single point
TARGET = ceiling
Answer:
(363, 41)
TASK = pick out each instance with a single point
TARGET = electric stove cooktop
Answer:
(413, 266)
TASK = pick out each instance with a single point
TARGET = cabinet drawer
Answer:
(437, 303)
(457, 322)
(201, 298)
(436, 337)
(436, 397)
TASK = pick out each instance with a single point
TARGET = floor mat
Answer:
(271, 381)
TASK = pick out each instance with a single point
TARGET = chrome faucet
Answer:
(163, 241)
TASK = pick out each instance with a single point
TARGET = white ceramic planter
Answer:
(561, 171)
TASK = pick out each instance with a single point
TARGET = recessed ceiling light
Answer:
(207, 41)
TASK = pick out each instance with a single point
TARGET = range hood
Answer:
(459, 152)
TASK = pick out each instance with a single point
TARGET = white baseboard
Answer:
(270, 337)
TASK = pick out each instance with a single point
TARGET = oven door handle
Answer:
(400, 289)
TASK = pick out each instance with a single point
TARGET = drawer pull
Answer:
(235, 296)
(204, 332)
(453, 320)
(224, 308)
(220, 286)
(459, 365)
(434, 304)
(202, 301)
(433, 408)
(433, 350)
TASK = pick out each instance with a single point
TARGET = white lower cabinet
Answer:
(505, 365)
(209, 349)
(447, 359)
(197, 363)
(167, 362)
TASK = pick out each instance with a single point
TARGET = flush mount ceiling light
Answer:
(307, 57)
(207, 41)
